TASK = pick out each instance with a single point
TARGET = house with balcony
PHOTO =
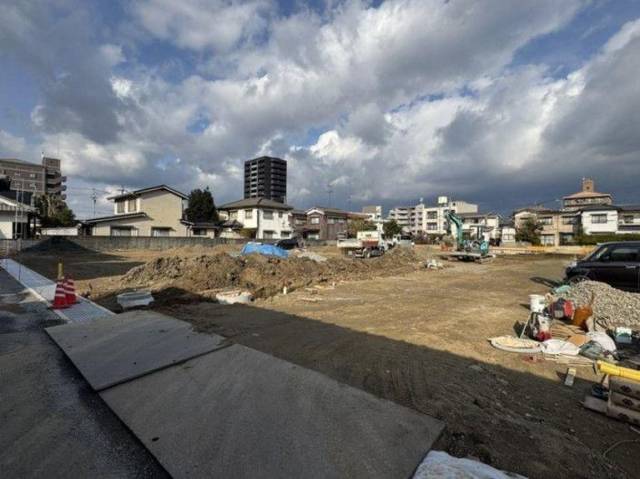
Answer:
(629, 219)
(153, 211)
(259, 218)
(557, 227)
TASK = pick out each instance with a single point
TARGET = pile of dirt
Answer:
(263, 276)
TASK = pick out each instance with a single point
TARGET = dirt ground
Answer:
(420, 339)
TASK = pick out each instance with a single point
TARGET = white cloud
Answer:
(218, 25)
(10, 145)
(411, 99)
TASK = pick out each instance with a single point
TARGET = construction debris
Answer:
(611, 307)
(134, 299)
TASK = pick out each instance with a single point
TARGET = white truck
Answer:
(365, 245)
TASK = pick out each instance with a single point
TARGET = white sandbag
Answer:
(603, 339)
(559, 346)
(440, 465)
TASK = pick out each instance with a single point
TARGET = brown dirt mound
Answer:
(263, 276)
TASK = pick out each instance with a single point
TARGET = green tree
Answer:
(529, 231)
(391, 228)
(359, 225)
(53, 211)
(201, 207)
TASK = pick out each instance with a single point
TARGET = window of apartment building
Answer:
(566, 238)
(160, 231)
(267, 215)
(267, 234)
(627, 218)
(432, 215)
(32, 175)
(300, 221)
(599, 218)
(432, 226)
(547, 240)
(315, 220)
(568, 220)
(121, 231)
(233, 215)
(248, 214)
(131, 206)
(281, 214)
(120, 206)
(546, 220)
(331, 221)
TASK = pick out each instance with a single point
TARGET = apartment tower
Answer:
(266, 177)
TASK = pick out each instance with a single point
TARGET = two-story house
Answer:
(154, 211)
(327, 224)
(263, 218)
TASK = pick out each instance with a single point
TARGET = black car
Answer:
(617, 264)
(288, 243)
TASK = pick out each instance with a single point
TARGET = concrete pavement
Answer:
(52, 423)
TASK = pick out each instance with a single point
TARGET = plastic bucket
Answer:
(536, 303)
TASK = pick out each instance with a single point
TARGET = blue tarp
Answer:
(265, 249)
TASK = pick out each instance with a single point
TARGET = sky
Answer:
(500, 103)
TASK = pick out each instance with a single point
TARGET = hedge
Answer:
(595, 239)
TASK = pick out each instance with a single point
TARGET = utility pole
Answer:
(94, 198)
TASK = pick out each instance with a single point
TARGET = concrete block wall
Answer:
(155, 243)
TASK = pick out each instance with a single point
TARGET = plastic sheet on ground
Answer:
(440, 465)
(264, 249)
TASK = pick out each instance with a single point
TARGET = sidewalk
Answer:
(53, 424)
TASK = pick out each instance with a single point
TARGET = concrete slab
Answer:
(51, 424)
(113, 350)
(241, 413)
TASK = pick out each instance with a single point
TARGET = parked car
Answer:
(616, 263)
(288, 243)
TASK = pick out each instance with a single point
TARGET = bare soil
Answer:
(419, 337)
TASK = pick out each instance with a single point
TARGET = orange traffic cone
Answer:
(60, 299)
(70, 291)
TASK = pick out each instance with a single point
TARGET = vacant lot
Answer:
(419, 339)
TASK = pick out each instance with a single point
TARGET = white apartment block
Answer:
(434, 219)
(374, 214)
(429, 219)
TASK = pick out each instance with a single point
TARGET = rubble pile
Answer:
(263, 276)
(611, 307)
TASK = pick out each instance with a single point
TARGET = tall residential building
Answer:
(266, 177)
(45, 178)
